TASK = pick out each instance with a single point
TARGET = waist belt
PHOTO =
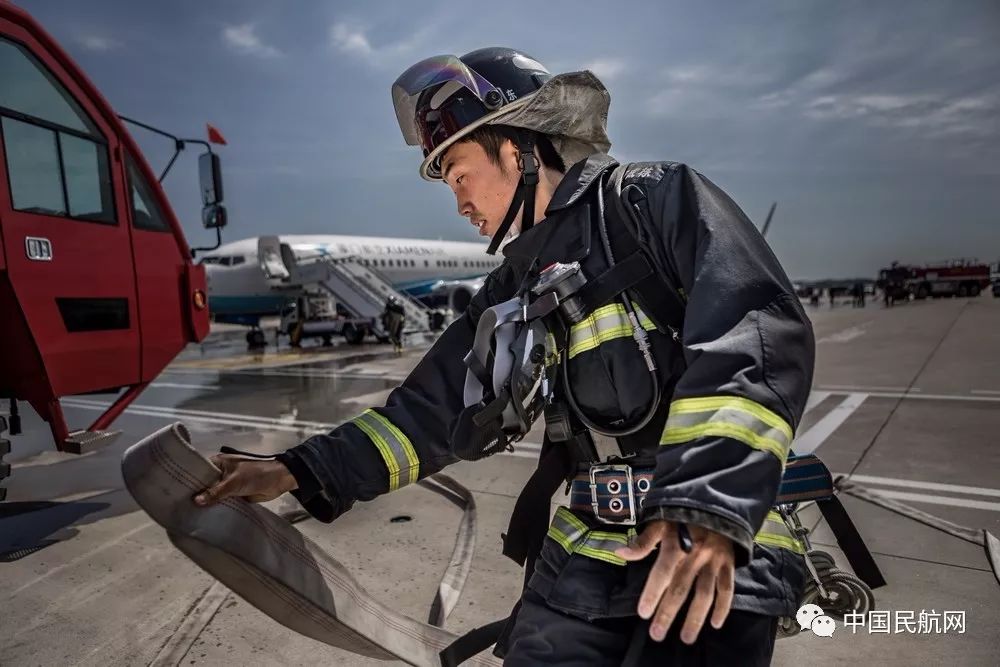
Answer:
(611, 492)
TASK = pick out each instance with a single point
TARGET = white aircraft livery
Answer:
(239, 291)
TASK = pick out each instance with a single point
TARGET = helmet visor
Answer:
(428, 118)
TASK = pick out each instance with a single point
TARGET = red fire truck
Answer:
(960, 277)
(98, 290)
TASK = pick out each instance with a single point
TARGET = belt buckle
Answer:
(613, 467)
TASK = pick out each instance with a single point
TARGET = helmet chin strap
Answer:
(524, 194)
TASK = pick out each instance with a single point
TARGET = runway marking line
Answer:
(177, 385)
(940, 500)
(809, 441)
(82, 557)
(931, 486)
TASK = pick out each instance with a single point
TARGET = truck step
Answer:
(81, 442)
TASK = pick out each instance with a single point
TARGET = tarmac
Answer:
(906, 400)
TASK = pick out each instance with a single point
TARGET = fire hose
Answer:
(263, 558)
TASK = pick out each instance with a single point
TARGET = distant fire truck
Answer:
(98, 289)
(960, 277)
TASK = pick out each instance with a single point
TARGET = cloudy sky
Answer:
(875, 125)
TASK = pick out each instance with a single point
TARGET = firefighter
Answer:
(394, 319)
(667, 551)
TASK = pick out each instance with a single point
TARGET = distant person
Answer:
(829, 292)
(814, 296)
(394, 319)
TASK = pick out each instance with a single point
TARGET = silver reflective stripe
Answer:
(728, 416)
(775, 533)
(396, 449)
(574, 536)
(604, 324)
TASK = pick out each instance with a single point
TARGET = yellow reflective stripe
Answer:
(576, 528)
(600, 554)
(411, 454)
(385, 450)
(574, 537)
(728, 416)
(563, 541)
(396, 449)
(551, 350)
(604, 324)
(706, 403)
(775, 533)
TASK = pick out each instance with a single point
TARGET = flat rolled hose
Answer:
(265, 560)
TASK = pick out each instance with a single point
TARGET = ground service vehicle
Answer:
(960, 277)
(98, 291)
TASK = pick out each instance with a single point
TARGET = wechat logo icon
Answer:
(811, 616)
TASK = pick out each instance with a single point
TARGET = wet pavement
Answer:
(905, 399)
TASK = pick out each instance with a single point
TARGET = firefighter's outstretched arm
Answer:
(749, 353)
(380, 450)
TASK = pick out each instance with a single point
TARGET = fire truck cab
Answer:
(98, 289)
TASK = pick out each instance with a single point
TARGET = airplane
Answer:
(435, 272)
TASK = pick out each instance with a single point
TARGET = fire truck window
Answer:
(26, 87)
(88, 179)
(146, 214)
(33, 167)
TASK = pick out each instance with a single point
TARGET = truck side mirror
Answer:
(210, 178)
(214, 216)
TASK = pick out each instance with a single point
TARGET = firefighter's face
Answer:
(483, 190)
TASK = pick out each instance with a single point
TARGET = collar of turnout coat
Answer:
(564, 235)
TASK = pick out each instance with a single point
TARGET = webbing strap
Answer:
(528, 526)
(657, 295)
(472, 642)
(624, 275)
(850, 542)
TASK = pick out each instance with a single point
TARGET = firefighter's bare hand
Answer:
(709, 567)
(257, 481)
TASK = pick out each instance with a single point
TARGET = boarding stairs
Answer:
(360, 290)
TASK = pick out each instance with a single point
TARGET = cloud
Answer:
(350, 40)
(936, 114)
(353, 40)
(606, 68)
(98, 43)
(243, 39)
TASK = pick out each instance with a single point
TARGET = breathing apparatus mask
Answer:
(511, 366)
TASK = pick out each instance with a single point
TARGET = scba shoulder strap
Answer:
(637, 271)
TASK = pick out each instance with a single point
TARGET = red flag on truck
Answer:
(214, 136)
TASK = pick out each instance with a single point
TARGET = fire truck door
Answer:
(63, 220)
